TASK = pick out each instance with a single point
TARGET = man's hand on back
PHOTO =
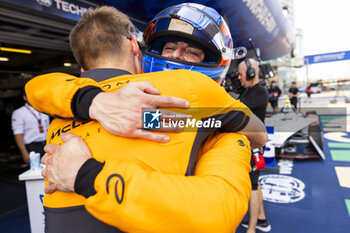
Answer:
(120, 112)
(64, 162)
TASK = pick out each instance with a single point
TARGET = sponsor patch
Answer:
(241, 143)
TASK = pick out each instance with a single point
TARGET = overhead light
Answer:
(15, 50)
(67, 64)
(4, 59)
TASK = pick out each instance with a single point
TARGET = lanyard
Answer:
(41, 129)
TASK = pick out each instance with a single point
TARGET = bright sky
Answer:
(325, 24)
(325, 29)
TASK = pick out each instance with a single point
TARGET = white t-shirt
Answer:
(25, 120)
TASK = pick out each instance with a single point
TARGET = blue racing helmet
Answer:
(194, 24)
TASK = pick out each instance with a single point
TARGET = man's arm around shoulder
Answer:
(255, 130)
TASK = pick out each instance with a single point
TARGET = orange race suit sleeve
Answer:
(54, 94)
(67, 96)
(122, 194)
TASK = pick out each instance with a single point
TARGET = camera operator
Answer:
(255, 96)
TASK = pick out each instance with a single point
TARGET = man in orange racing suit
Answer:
(178, 161)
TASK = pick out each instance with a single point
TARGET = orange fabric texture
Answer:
(157, 196)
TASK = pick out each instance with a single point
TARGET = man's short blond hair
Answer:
(99, 34)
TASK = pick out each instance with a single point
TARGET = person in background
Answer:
(255, 96)
(29, 129)
(274, 94)
(293, 94)
(308, 93)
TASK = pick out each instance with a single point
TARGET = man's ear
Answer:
(135, 46)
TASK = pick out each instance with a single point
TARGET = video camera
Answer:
(231, 82)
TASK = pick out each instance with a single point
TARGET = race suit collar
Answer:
(102, 74)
